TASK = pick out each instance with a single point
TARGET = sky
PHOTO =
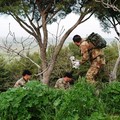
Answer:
(84, 29)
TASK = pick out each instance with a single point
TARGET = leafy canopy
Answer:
(35, 8)
(108, 17)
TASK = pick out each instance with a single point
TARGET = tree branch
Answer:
(108, 4)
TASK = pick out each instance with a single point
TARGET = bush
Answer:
(40, 102)
(79, 103)
(34, 101)
(111, 97)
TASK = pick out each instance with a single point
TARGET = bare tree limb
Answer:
(18, 51)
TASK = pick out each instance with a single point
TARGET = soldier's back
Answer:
(61, 84)
(20, 83)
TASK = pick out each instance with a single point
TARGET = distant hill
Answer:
(52, 41)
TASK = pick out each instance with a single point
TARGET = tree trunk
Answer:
(48, 68)
(113, 74)
(35, 30)
(46, 77)
(47, 72)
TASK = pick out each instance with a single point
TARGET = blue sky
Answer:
(84, 29)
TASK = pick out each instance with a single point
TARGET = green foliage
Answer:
(23, 7)
(19, 65)
(108, 17)
(39, 102)
(79, 103)
(111, 55)
(35, 101)
(111, 52)
(5, 79)
(111, 97)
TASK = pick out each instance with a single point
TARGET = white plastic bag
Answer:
(75, 62)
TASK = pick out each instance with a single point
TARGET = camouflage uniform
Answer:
(96, 58)
(62, 84)
(20, 83)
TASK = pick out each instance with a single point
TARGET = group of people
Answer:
(94, 55)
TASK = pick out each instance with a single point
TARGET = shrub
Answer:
(80, 103)
(111, 97)
(35, 101)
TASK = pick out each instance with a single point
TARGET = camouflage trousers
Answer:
(95, 67)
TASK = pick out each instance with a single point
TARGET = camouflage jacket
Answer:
(20, 83)
(90, 54)
(62, 84)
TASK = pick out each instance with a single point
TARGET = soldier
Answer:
(64, 83)
(89, 52)
(26, 75)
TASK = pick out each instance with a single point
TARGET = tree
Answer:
(110, 18)
(113, 75)
(34, 15)
(110, 4)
